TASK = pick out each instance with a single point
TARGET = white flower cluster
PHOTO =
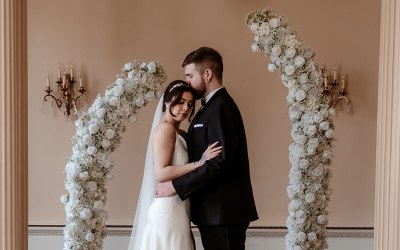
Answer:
(98, 134)
(310, 154)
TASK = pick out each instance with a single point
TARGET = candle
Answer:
(343, 83)
(325, 81)
(80, 81)
(48, 81)
(335, 74)
(71, 72)
(64, 82)
(59, 72)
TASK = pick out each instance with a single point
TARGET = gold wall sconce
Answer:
(334, 88)
(65, 85)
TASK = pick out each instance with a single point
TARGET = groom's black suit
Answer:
(220, 191)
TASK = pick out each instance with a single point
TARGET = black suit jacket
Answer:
(220, 191)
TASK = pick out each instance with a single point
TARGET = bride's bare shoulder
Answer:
(164, 130)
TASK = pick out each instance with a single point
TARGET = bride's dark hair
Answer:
(173, 94)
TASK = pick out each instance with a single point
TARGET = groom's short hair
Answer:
(206, 58)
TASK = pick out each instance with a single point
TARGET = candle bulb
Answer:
(335, 74)
(343, 83)
(59, 72)
(80, 81)
(71, 71)
(325, 81)
(48, 81)
(64, 82)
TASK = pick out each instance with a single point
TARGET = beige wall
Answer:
(99, 36)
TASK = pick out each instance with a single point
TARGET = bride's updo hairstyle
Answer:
(173, 94)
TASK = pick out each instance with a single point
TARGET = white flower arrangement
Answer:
(310, 154)
(98, 134)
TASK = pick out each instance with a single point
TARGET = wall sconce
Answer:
(332, 87)
(67, 100)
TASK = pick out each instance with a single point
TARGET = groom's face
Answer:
(195, 79)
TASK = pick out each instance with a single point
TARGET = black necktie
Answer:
(203, 101)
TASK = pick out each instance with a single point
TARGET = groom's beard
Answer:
(202, 90)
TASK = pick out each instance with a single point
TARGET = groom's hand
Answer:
(165, 189)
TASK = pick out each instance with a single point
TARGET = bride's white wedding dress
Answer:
(168, 219)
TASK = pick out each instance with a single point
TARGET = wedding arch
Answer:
(99, 132)
(310, 154)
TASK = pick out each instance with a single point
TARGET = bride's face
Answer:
(183, 108)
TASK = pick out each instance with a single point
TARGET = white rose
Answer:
(317, 171)
(276, 50)
(84, 176)
(313, 142)
(310, 197)
(271, 67)
(324, 125)
(87, 140)
(72, 169)
(128, 66)
(114, 101)
(151, 67)
(79, 123)
(289, 70)
(91, 150)
(109, 176)
(98, 102)
(100, 112)
(254, 27)
(290, 52)
(85, 214)
(98, 205)
(311, 236)
(301, 236)
(139, 101)
(329, 133)
(110, 133)
(64, 199)
(105, 143)
(311, 130)
(264, 29)
(93, 128)
(303, 163)
(92, 186)
(299, 61)
(107, 164)
(318, 118)
(327, 154)
(149, 96)
(300, 95)
(321, 219)
(300, 139)
(303, 78)
(118, 91)
(120, 81)
(89, 237)
(132, 119)
(274, 22)
(254, 48)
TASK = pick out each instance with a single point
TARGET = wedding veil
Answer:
(147, 190)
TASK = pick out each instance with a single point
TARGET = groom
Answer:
(220, 192)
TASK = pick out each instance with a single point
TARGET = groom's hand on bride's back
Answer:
(165, 189)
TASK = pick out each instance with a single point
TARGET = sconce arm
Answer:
(58, 101)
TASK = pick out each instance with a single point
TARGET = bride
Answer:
(164, 223)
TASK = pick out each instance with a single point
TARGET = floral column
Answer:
(13, 126)
(387, 201)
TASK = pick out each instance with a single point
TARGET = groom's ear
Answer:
(208, 74)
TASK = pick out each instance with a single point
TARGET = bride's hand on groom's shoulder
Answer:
(165, 189)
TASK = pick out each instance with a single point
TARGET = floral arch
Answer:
(99, 132)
